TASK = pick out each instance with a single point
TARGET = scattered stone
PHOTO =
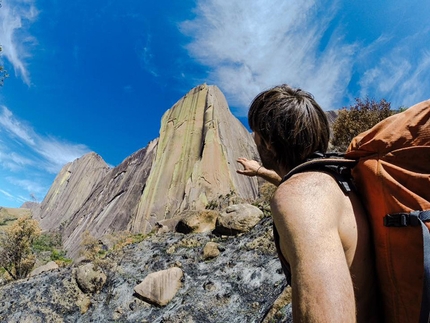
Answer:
(89, 279)
(83, 303)
(210, 251)
(238, 218)
(160, 287)
(49, 266)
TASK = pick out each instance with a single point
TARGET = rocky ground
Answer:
(232, 279)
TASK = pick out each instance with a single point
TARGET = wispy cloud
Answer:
(22, 146)
(401, 75)
(7, 194)
(15, 17)
(144, 52)
(29, 161)
(250, 46)
(27, 185)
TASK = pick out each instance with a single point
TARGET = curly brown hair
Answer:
(291, 122)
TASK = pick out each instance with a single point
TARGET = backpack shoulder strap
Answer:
(339, 167)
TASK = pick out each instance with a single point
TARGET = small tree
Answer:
(16, 254)
(357, 118)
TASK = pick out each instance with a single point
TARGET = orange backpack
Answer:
(393, 178)
(390, 168)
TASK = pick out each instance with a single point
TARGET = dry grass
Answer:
(8, 216)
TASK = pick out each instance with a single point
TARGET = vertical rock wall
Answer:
(71, 188)
(199, 143)
(190, 164)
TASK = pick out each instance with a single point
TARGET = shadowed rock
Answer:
(113, 202)
(71, 188)
(197, 221)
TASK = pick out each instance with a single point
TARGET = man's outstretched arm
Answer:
(308, 224)
(253, 168)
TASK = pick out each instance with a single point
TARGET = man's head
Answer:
(289, 127)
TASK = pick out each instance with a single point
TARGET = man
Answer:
(322, 235)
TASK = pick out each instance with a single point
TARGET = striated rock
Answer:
(160, 287)
(211, 250)
(197, 221)
(89, 279)
(113, 202)
(188, 166)
(199, 143)
(30, 205)
(238, 218)
(71, 188)
(49, 266)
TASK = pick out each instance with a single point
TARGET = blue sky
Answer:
(98, 75)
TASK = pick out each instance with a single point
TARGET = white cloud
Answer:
(14, 162)
(7, 194)
(22, 146)
(28, 185)
(250, 46)
(401, 75)
(15, 16)
(144, 52)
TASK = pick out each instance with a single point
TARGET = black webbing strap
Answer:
(338, 167)
(416, 218)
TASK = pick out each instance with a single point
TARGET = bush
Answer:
(51, 242)
(16, 253)
(357, 118)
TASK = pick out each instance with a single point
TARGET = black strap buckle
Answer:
(396, 220)
(402, 219)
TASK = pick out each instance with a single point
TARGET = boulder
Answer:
(90, 279)
(197, 221)
(238, 218)
(160, 287)
(210, 250)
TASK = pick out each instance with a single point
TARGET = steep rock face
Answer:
(110, 206)
(192, 163)
(199, 143)
(71, 188)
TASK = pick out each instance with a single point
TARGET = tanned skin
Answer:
(333, 276)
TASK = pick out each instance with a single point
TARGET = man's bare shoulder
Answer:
(310, 198)
(307, 188)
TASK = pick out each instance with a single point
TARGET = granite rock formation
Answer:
(190, 164)
(199, 143)
(71, 188)
(113, 202)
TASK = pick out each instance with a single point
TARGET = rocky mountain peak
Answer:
(191, 163)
